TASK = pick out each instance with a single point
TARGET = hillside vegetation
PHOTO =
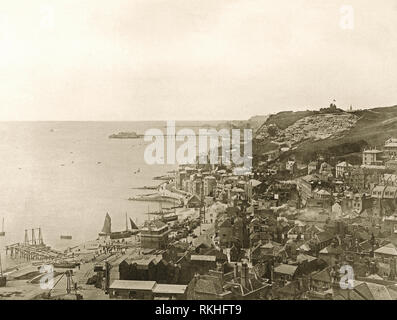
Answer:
(371, 128)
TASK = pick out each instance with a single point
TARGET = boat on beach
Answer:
(115, 235)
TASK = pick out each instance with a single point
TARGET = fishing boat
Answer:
(66, 237)
(2, 233)
(107, 226)
(169, 218)
(127, 232)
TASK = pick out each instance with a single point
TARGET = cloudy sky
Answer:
(192, 59)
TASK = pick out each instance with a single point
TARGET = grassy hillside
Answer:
(287, 118)
(372, 129)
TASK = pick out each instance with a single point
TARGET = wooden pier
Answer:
(31, 249)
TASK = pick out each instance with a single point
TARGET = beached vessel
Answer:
(107, 226)
(127, 232)
(107, 230)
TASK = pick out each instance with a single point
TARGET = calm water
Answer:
(51, 178)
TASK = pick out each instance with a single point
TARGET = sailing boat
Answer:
(3, 279)
(107, 226)
(2, 233)
(126, 233)
(134, 227)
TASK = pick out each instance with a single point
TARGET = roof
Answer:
(372, 151)
(305, 247)
(389, 249)
(373, 291)
(324, 236)
(331, 250)
(305, 257)
(268, 245)
(311, 177)
(155, 225)
(323, 192)
(323, 276)
(391, 145)
(202, 257)
(285, 269)
(254, 182)
(344, 164)
(208, 286)
(132, 285)
(170, 288)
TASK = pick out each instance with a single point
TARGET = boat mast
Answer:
(2, 227)
(1, 267)
(126, 223)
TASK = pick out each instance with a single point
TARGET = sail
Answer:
(107, 226)
(133, 225)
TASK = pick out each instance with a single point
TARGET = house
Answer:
(365, 291)
(154, 235)
(323, 239)
(391, 164)
(389, 224)
(285, 272)
(206, 287)
(131, 289)
(202, 263)
(372, 157)
(291, 166)
(245, 285)
(307, 263)
(225, 232)
(336, 210)
(386, 252)
(193, 202)
(321, 281)
(390, 148)
(312, 167)
(341, 168)
(306, 185)
(326, 169)
(331, 254)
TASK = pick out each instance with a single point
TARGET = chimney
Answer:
(235, 270)
(392, 268)
(244, 275)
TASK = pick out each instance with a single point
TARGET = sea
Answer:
(63, 177)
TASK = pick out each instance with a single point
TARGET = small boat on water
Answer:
(126, 135)
(63, 237)
(2, 233)
(169, 218)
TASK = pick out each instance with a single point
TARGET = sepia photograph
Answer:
(198, 150)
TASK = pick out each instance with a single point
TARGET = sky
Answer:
(193, 59)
